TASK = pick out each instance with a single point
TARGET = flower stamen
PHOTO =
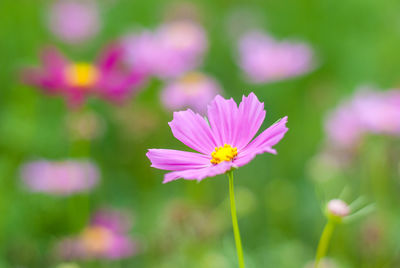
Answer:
(220, 154)
(82, 75)
(96, 239)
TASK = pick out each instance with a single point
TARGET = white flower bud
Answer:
(337, 207)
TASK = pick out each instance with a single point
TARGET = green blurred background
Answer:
(184, 223)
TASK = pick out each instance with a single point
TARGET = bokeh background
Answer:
(280, 197)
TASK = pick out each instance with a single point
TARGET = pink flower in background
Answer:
(193, 90)
(343, 126)
(106, 237)
(224, 140)
(264, 59)
(60, 177)
(74, 21)
(106, 78)
(369, 111)
(169, 51)
(142, 51)
(183, 44)
(379, 112)
(119, 221)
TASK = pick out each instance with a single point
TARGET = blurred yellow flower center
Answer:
(192, 78)
(226, 153)
(83, 75)
(191, 82)
(96, 239)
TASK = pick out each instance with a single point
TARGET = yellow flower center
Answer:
(96, 239)
(226, 153)
(83, 75)
(192, 78)
(191, 82)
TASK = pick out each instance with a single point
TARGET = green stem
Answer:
(324, 241)
(235, 224)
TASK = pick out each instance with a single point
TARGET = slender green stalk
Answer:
(235, 224)
(79, 204)
(324, 241)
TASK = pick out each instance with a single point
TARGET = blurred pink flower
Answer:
(264, 59)
(369, 111)
(119, 221)
(169, 51)
(74, 21)
(105, 238)
(106, 78)
(379, 111)
(343, 126)
(224, 140)
(142, 51)
(60, 177)
(193, 90)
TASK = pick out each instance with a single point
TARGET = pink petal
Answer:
(200, 173)
(110, 57)
(50, 78)
(263, 142)
(177, 160)
(52, 59)
(245, 158)
(118, 86)
(75, 98)
(121, 247)
(222, 115)
(192, 130)
(250, 117)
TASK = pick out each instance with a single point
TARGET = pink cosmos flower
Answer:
(264, 59)
(194, 90)
(369, 111)
(105, 238)
(74, 21)
(60, 178)
(223, 141)
(106, 78)
(171, 50)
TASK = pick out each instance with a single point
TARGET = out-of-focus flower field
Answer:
(88, 87)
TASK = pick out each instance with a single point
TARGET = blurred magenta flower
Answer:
(60, 177)
(106, 78)
(193, 90)
(224, 140)
(264, 59)
(106, 237)
(171, 50)
(369, 111)
(74, 21)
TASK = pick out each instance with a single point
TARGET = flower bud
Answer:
(338, 208)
